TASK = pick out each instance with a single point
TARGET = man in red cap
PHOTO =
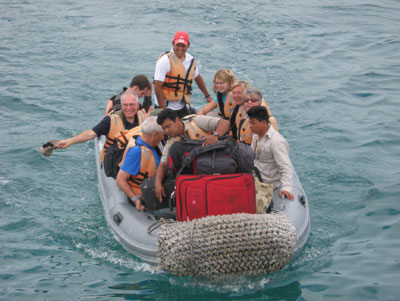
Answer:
(175, 71)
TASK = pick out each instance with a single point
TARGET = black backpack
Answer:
(224, 157)
(149, 196)
(114, 155)
(177, 153)
(112, 159)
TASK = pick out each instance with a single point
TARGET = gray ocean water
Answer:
(330, 71)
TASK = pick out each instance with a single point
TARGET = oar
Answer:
(47, 148)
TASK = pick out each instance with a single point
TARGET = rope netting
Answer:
(238, 244)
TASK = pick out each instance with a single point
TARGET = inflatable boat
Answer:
(131, 227)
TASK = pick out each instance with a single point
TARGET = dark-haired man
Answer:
(140, 85)
(174, 75)
(209, 129)
(271, 152)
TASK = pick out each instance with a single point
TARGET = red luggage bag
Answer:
(202, 195)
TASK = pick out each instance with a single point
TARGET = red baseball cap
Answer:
(181, 37)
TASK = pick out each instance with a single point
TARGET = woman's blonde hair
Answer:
(242, 83)
(226, 76)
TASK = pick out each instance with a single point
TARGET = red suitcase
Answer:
(202, 195)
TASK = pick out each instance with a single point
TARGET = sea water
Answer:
(330, 72)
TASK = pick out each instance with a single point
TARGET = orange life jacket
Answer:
(178, 82)
(125, 136)
(116, 128)
(193, 130)
(229, 105)
(109, 105)
(114, 103)
(244, 133)
(148, 166)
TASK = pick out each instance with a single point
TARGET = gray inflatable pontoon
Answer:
(130, 226)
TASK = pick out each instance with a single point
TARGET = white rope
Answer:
(238, 244)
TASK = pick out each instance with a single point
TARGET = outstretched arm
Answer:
(82, 137)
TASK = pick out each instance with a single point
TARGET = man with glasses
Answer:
(111, 125)
(174, 75)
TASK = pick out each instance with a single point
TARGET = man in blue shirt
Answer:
(141, 160)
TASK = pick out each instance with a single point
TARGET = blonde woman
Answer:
(238, 88)
(223, 82)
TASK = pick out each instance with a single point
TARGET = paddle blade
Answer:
(47, 148)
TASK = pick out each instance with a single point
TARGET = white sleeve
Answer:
(162, 68)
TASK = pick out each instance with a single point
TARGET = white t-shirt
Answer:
(163, 67)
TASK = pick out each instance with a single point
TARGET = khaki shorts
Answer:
(264, 193)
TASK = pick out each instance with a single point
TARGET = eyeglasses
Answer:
(219, 83)
(251, 100)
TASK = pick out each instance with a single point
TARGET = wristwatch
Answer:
(216, 134)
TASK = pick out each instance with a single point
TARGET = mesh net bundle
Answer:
(237, 244)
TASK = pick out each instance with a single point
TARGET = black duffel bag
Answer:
(224, 157)
(149, 198)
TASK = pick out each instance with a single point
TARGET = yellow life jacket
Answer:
(109, 105)
(126, 135)
(229, 105)
(244, 133)
(193, 130)
(241, 114)
(148, 166)
(264, 104)
(178, 82)
(116, 128)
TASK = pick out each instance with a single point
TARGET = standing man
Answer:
(140, 85)
(271, 152)
(174, 75)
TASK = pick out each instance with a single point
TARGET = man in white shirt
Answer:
(174, 75)
(271, 152)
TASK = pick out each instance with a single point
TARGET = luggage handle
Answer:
(172, 200)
